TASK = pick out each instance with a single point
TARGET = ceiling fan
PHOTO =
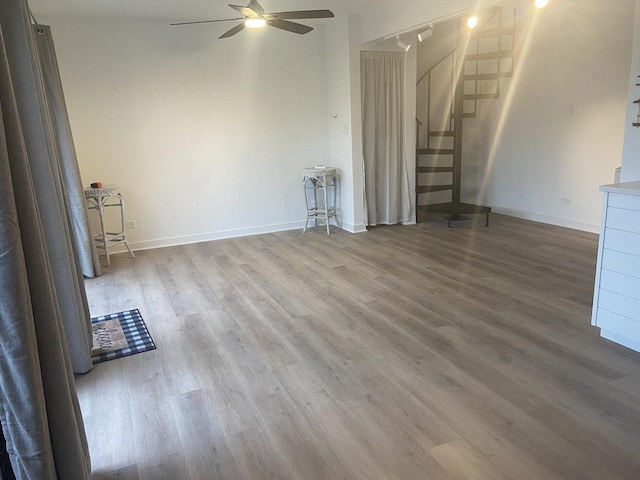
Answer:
(254, 16)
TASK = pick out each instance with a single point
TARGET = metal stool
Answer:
(99, 199)
(320, 178)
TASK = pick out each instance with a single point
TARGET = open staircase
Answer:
(451, 90)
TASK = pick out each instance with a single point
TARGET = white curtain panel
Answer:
(383, 99)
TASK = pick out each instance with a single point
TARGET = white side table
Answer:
(321, 206)
(99, 199)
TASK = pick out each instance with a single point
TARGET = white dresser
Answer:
(616, 298)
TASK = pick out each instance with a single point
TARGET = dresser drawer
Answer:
(621, 262)
(625, 220)
(620, 283)
(619, 304)
(628, 202)
(619, 325)
(621, 241)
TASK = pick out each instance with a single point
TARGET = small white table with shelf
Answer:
(99, 199)
(320, 185)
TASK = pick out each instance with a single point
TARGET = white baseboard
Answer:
(624, 341)
(351, 228)
(551, 220)
(205, 237)
(224, 234)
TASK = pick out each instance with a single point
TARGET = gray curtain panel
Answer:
(44, 165)
(69, 170)
(44, 320)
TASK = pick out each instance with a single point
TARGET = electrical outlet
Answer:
(565, 202)
(129, 224)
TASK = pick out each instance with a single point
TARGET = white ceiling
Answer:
(186, 10)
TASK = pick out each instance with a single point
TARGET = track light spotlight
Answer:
(472, 22)
(541, 3)
(402, 45)
(426, 33)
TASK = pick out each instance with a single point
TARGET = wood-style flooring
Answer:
(407, 352)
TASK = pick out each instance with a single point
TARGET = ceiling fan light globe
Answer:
(255, 22)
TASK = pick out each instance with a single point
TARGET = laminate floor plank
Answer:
(464, 462)
(313, 457)
(130, 472)
(162, 442)
(515, 462)
(399, 454)
(406, 352)
(204, 443)
(258, 457)
(164, 467)
(628, 383)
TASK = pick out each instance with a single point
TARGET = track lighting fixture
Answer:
(541, 3)
(402, 45)
(426, 33)
(472, 22)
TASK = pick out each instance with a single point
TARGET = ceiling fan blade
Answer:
(207, 21)
(233, 31)
(299, 14)
(246, 11)
(290, 26)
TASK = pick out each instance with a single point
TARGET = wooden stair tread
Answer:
(442, 133)
(489, 55)
(480, 96)
(453, 208)
(435, 151)
(433, 188)
(487, 76)
(435, 169)
(493, 32)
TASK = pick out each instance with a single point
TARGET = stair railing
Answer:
(426, 77)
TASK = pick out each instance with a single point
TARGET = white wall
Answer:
(631, 151)
(205, 137)
(345, 146)
(355, 33)
(576, 52)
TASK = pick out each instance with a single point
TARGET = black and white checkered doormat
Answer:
(135, 332)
